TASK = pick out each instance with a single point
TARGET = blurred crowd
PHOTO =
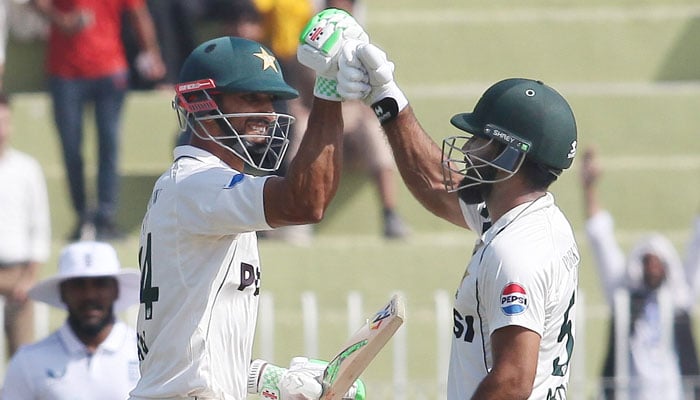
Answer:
(147, 43)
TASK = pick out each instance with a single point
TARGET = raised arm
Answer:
(365, 73)
(608, 256)
(419, 161)
(303, 195)
(692, 259)
(590, 173)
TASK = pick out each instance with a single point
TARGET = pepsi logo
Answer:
(513, 299)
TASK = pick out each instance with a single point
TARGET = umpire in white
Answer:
(93, 355)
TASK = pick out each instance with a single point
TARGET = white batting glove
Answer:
(301, 381)
(365, 73)
(353, 79)
(320, 44)
(298, 382)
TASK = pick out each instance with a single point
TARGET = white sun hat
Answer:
(89, 260)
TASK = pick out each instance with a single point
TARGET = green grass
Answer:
(614, 72)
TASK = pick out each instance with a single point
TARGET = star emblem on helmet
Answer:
(267, 59)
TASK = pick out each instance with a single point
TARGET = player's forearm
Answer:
(494, 387)
(419, 160)
(314, 173)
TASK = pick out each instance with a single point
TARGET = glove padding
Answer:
(301, 381)
(365, 73)
(320, 44)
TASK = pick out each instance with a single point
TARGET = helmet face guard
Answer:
(469, 162)
(263, 150)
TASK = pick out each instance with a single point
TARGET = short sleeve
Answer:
(17, 385)
(513, 291)
(221, 202)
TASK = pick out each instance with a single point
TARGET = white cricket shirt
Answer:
(25, 231)
(60, 367)
(200, 279)
(524, 272)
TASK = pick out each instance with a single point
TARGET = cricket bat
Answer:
(361, 348)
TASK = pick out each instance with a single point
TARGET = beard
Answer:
(472, 194)
(87, 328)
(478, 193)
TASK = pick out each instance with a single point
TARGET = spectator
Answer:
(24, 232)
(652, 268)
(239, 18)
(175, 23)
(86, 64)
(93, 355)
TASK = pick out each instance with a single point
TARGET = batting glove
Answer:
(301, 381)
(320, 44)
(365, 73)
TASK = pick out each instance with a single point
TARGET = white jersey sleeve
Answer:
(609, 258)
(513, 293)
(18, 386)
(217, 200)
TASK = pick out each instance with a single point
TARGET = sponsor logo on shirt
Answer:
(513, 299)
(234, 181)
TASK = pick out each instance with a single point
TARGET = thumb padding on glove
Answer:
(312, 58)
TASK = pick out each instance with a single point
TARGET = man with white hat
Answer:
(93, 355)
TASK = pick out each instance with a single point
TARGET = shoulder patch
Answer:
(513, 299)
(234, 181)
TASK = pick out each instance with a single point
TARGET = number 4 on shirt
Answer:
(148, 293)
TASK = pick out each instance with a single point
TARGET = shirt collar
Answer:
(517, 212)
(195, 152)
(113, 343)
(198, 154)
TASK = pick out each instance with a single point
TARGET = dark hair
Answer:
(4, 99)
(539, 175)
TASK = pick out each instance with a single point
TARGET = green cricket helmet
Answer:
(528, 118)
(235, 65)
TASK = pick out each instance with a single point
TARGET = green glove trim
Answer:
(326, 88)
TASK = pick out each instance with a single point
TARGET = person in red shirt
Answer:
(86, 63)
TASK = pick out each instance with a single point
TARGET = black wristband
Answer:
(386, 109)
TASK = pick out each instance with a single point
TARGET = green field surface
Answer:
(630, 70)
